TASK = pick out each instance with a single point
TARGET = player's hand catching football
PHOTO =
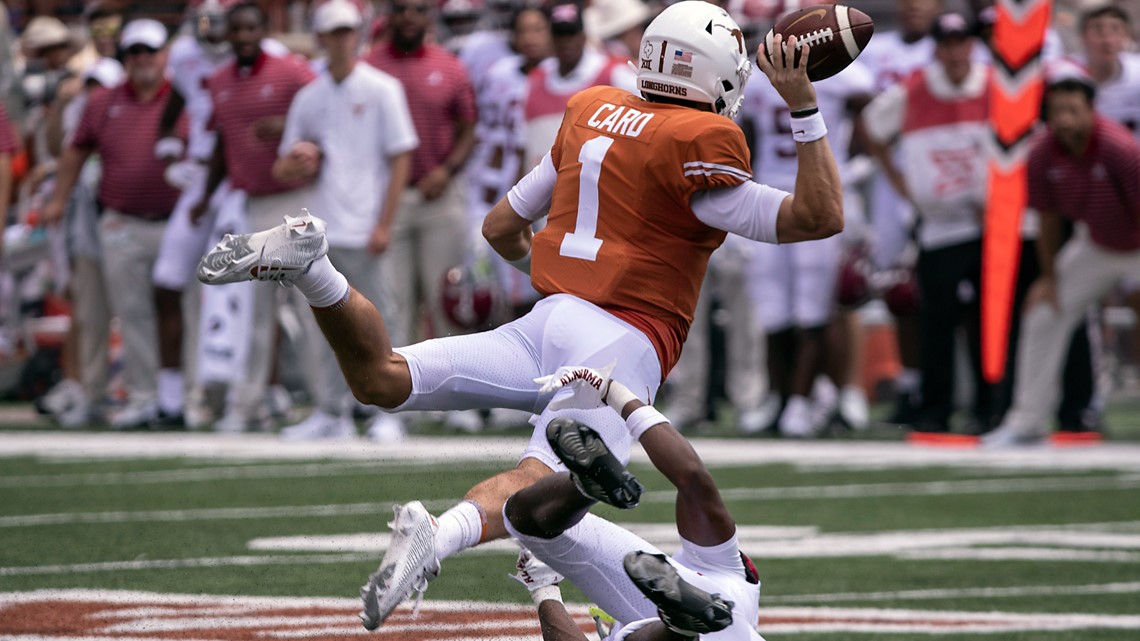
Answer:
(788, 72)
(588, 386)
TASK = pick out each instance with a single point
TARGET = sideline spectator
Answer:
(352, 130)
(251, 96)
(618, 25)
(1085, 168)
(430, 234)
(78, 399)
(497, 161)
(121, 125)
(939, 118)
(576, 65)
(1106, 40)
(793, 286)
(892, 57)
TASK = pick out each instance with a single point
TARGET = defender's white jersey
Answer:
(774, 150)
(891, 59)
(500, 132)
(188, 68)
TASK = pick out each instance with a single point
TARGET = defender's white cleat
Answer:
(281, 254)
(407, 566)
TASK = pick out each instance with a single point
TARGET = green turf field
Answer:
(857, 539)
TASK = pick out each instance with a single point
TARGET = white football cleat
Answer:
(407, 566)
(279, 254)
(320, 425)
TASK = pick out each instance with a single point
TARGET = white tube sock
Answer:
(322, 285)
(460, 528)
(170, 390)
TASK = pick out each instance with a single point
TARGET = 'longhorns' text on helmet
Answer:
(694, 51)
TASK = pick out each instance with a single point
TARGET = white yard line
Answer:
(1047, 542)
(836, 454)
(810, 492)
(958, 593)
(294, 614)
(1020, 554)
(209, 474)
(175, 564)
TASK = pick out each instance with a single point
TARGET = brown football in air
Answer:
(836, 33)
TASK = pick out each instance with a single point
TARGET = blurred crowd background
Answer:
(137, 133)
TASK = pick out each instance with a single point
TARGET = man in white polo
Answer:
(352, 129)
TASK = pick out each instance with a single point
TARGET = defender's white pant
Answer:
(184, 242)
(727, 280)
(590, 555)
(794, 285)
(249, 394)
(1085, 273)
(497, 368)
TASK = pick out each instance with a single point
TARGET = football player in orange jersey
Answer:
(640, 190)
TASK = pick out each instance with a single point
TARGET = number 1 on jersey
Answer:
(583, 242)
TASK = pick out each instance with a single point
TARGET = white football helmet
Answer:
(694, 50)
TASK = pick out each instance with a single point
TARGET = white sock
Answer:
(460, 528)
(170, 390)
(323, 285)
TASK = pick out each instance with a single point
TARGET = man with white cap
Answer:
(618, 25)
(121, 125)
(351, 129)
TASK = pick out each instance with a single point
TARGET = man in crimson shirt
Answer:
(121, 126)
(1084, 167)
(430, 234)
(251, 96)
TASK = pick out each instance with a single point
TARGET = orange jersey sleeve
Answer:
(620, 233)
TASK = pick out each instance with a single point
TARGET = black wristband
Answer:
(804, 113)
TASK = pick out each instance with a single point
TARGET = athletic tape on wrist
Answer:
(809, 129)
(522, 264)
(618, 396)
(546, 593)
(642, 419)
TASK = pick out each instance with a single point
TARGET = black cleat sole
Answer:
(598, 472)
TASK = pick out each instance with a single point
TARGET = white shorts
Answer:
(184, 243)
(591, 556)
(497, 368)
(794, 285)
(891, 221)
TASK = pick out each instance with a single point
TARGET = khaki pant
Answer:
(92, 310)
(427, 238)
(1086, 272)
(130, 247)
(248, 396)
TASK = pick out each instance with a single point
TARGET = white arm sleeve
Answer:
(748, 209)
(530, 198)
(883, 116)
